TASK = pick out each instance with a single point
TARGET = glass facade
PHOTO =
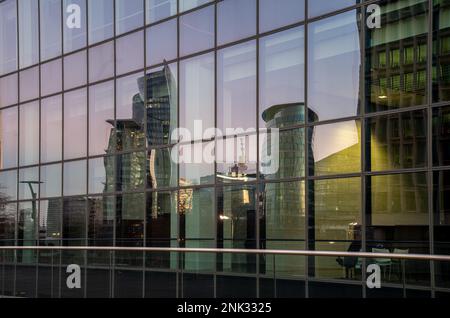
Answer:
(92, 120)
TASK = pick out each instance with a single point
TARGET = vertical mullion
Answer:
(258, 177)
(86, 239)
(306, 152)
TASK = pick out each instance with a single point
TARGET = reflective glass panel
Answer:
(8, 90)
(74, 222)
(396, 56)
(51, 129)
(162, 169)
(26, 231)
(162, 104)
(190, 4)
(236, 87)
(441, 51)
(75, 124)
(129, 15)
(74, 178)
(282, 68)
(197, 31)
(197, 95)
(161, 42)
(441, 133)
(101, 20)
(28, 32)
(130, 53)
(101, 62)
(282, 155)
(75, 70)
(335, 148)
(101, 224)
(130, 212)
(75, 36)
(334, 66)
(397, 213)
(196, 162)
(129, 110)
(441, 191)
(29, 183)
(101, 175)
(275, 14)
(130, 171)
(50, 216)
(8, 185)
(319, 7)
(8, 214)
(160, 9)
(51, 77)
(101, 119)
(51, 179)
(8, 34)
(29, 134)
(397, 141)
(50, 28)
(335, 218)
(236, 20)
(162, 220)
(29, 84)
(9, 135)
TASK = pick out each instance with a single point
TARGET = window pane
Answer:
(162, 225)
(74, 221)
(441, 51)
(8, 90)
(162, 104)
(398, 141)
(130, 53)
(236, 20)
(195, 170)
(190, 4)
(101, 175)
(318, 7)
(8, 186)
(160, 9)
(26, 232)
(51, 129)
(441, 132)
(396, 57)
(74, 178)
(74, 38)
(129, 15)
(75, 124)
(8, 34)
(276, 14)
(197, 94)
(130, 212)
(398, 210)
(335, 217)
(283, 155)
(335, 148)
(282, 68)
(75, 70)
(51, 77)
(50, 216)
(236, 87)
(28, 32)
(129, 109)
(28, 183)
(441, 190)
(334, 66)
(8, 214)
(197, 205)
(197, 31)
(51, 178)
(162, 42)
(161, 168)
(101, 62)
(9, 135)
(51, 45)
(29, 84)
(101, 20)
(101, 224)
(101, 118)
(29, 134)
(131, 170)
